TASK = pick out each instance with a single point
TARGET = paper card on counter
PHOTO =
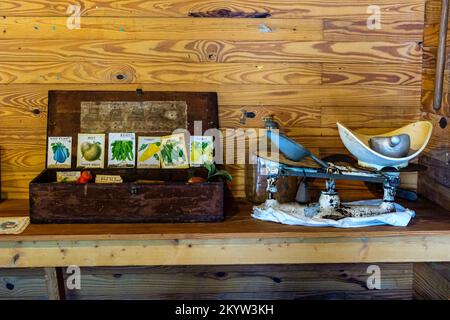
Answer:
(173, 152)
(103, 178)
(91, 150)
(201, 150)
(59, 152)
(149, 152)
(121, 150)
(67, 176)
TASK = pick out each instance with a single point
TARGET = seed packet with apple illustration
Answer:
(173, 152)
(201, 150)
(148, 152)
(91, 150)
(58, 152)
(122, 150)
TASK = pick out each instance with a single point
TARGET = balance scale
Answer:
(375, 168)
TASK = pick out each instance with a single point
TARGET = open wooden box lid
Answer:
(144, 113)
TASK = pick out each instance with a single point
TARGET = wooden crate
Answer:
(171, 200)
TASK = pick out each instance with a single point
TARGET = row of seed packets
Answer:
(150, 152)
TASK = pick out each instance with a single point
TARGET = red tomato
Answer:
(86, 175)
(196, 180)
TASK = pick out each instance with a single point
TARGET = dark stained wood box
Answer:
(129, 202)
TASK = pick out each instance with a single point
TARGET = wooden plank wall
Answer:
(310, 281)
(308, 62)
(431, 281)
(435, 182)
(26, 284)
(345, 281)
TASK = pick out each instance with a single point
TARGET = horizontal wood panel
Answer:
(232, 250)
(255, 281)
(396, 294)
(162, 28)
(430, 226)
(35, 96)
(210, 73)
(431, 281)
(26, 284)
(160, 73)
(210, 51)
(408, 9)
(373, 74)
(369, 117)
(355, 30)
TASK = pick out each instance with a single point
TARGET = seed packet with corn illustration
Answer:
(121, 150)
(173, 152)
(201, 150)
(59, 152)
(148, 152)
(91, 149)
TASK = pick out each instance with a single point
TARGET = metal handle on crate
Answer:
(134, 190)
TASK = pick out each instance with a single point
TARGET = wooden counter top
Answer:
(430, 220)
(239, 239)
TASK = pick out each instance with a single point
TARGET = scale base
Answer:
(330, 207)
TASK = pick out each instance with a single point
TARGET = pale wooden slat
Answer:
(230, 251)
(210, 51)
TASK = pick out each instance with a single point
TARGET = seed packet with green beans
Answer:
(121, 150)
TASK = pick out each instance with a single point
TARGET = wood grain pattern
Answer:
(431, 220)
(287, 95)
(309, 63)
(240, 239)
(210, 51)
(408, 9)
(232, 281)
(109, 28)
(23, 284)
(354, 30)
(159, 73)
(372, 74)
(434, 183)
(431, 281)
(219, 252)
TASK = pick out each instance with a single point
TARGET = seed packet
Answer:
(173, 152)
(58, 152)
(91, 150)
(121, 150)
(201, 148)
(148, 152)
